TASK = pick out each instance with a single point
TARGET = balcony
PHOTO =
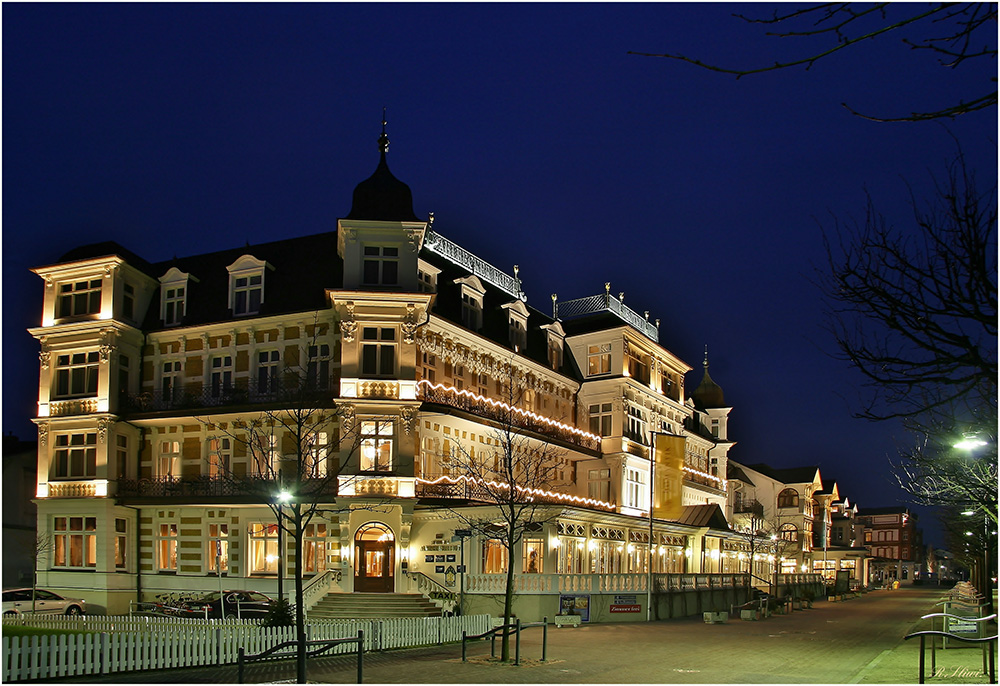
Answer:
(505, 414)
(450, 488)
(76, 406)
(201, 488)
(244, 392)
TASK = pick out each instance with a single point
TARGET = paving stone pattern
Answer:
(855, 641)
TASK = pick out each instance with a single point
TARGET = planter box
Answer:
(567, 620)
(716, 617)
(749, 615)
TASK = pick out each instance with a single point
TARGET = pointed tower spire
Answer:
(708, 394)
(382, 197)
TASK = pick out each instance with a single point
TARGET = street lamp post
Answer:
(282, 498)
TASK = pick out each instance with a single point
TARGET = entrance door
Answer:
(374, 561)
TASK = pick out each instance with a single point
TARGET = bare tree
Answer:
(298, 458)
(44, 544)
(514, 478)
(953, 32)
(916, 314)
(763, 538)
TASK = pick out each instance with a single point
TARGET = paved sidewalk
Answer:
(855, 641)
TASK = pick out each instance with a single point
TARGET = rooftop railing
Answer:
(241, 392)
(606, 302)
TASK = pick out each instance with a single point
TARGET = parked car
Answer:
(241, 604)
(17, 601)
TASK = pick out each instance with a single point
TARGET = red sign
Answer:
(625, 608)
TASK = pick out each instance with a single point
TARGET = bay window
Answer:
(74, 542)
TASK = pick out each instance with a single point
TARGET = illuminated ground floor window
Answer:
(263, 540)
(75, 542)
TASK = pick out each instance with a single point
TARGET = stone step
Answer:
(373, 605)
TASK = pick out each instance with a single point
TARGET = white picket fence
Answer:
(124, 644)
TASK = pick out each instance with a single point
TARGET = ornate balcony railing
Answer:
(505, 414)
(243, 392)
(462, 488)
(64, 408)
(213, 487)
(602, 583)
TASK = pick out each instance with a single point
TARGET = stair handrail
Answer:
(421, 577)
(317, 583)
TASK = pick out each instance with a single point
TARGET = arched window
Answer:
(788, 532)
(788, 498)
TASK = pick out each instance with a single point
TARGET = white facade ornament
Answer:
(43, 434)
(413, 237)
(107, 344)
(409, 324)
(103, 425)
(348, 327)
(407, 415)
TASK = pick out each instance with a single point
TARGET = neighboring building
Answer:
(19, 514)
(149, 371)
(893, 541)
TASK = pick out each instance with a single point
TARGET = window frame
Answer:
(377, 438)
(379, 352)
(71, 297)
(380, 265)
(74, 546)
(77, 375)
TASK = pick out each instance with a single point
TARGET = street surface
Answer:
(855, 641)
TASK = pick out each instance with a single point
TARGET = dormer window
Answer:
(473, 293)
(248, 293)
(427, 275)
(246, 285)
(517, 324)
(174, 288)
(174, 300)
(80, 298)
(555, 337)
(128, 301)
(381, 266)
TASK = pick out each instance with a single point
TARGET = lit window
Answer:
(494, 556)
(263, 548)
(75, 456)
(599, 484)
(266, 455)
(518, 335)
(314, 548)
(74, 542)
(788, 532)
(788, 498)
(80, 298)
(376, 446)
(635, 490)
(76, 375)
(315, 456)
(378, 352)
(121, 544)
(534, 555)
(381, 266)
(166, 546)
(220, 453)
(170, 459)
(598, 359)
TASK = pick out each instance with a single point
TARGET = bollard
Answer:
(239, 668)
(545, 635)
(463, 645)
(517, 642)
(361, 653)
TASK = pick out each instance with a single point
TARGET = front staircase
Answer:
(372, 606)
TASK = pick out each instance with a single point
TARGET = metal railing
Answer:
(609, 303)
(499, 413)
(319, 647)
(507, 630)
(242, 391)
(988, 643)
(205, 486)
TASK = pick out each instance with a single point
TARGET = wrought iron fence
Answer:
(242, 392)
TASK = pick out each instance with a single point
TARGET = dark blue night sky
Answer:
(533, 137)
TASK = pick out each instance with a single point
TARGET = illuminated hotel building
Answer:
(149, 372)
